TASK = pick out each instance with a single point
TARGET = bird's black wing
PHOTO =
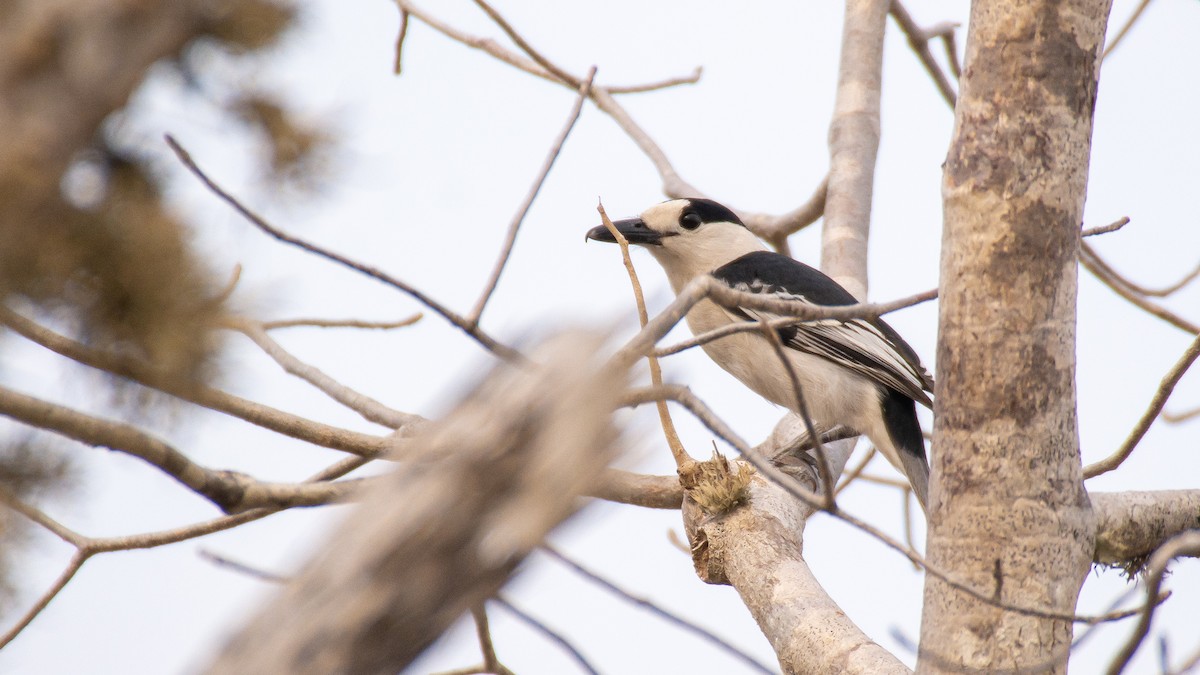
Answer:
(869, 347)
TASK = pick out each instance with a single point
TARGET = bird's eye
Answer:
(690, 220)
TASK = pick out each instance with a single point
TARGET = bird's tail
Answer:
(900, 414)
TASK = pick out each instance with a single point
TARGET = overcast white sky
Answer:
(431, 167)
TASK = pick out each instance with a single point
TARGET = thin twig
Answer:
(265, 416)
(918, 39)
(341, 323)
(849, 476)
(1092, 263)
(770, 227)
(1156, 405)
(230, 286)
(241, 567)
(679, 621)
(86, 547)
(515, 225)
(827, 480)
(491, 344)
(1105, 229)
(38, 516)
(229, 491)
(401, 33)
(369, 408)
(538, 57)
(550, 633)
(1184, 543)
(664, 416)
(491, 664)
(1137, 13)
(1176, 418)
(707, 287)
(63, 579)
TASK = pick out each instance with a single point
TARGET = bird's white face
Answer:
(688, 237)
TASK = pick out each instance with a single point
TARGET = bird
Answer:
(859, 373)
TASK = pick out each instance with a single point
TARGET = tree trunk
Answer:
(1009, 514)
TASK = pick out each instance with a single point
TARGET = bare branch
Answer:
(773, 228)
(230, 491)
(515, 225)
(63, 579)
(1130, 525)
(525, 64)
(1137, 13)
(655, 492)
(856, 470)
(1092, 263)
(258, 414)
(401, 33)
(370, 409)
(918, 39)
(1105, 229)
(1177, 418)
(550, 633)
(241, 568)
(679, 621)
(341, 323)
(827, 479)
(1185, 543)
(1156, 405)
(503, 351)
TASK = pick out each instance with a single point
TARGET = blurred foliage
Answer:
(31, 465)
(86, 239)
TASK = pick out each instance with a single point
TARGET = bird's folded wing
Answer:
(860, 345)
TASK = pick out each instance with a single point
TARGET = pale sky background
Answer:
(430, 168)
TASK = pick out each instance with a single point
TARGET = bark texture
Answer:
(1131, 525)
(438, 537)
(1009, 514)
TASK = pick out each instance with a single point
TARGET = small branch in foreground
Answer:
(1185, 543)
(553, 635)
(241, 568)
(1156, 405)
(501, 350)
(515, 225)
(827, 480)
(679, 621)
(678, 452)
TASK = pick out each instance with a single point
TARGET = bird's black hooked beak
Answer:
(633, 229)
